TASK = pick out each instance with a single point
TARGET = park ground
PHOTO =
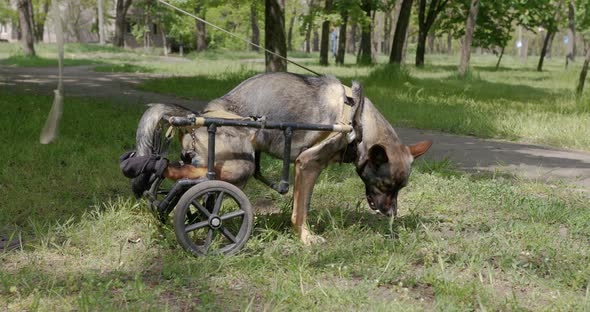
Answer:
(464, 240)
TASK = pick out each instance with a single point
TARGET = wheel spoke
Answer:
(208, 239)
(218, 202)
(232, 214)
(196, 226)
(201, 208)
(228, 234)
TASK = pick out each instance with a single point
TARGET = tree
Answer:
(121, 8)
(200, 28)
(583, 24)
(325, 41)
(274, 35)
(401, 28)
(254, 24)
(426, 18)
(571, 25)
(101, 35)
(469, 30)
(39, 17)
(364, 56)
(550, 18)
(25, 7)
(308, 22)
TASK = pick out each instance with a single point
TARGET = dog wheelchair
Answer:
(212, 216)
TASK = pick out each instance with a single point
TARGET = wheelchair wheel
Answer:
(213, 217)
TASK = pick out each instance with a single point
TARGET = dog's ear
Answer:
(377, 155)
(419, 148)
(357, 109)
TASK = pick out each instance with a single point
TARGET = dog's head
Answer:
(384, 168)
(386, 171)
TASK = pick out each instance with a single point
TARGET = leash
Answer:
(49, 132)
(236, 36)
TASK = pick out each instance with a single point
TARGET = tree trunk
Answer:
(550, 46)
(400, 34)
(450, 42)
(500, 58)
(469, 30)
(571, 54)
(431, 39)
(342, 39)
(583, 74)
(40, 24)
(544, 50)
(200, 30)
(290, 32)
(352, 39)
(26, 25)
(308, 38)
(325, 42)
(255, 28)
(164, 41)
(315, 41)
(274, 35)
(421, 48)
(121, 11)
(364, 56)
(101, 38)
(388, 25)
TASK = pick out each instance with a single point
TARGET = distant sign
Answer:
(519, 44)
(566, 39)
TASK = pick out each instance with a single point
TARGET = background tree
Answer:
(350, 13)
(469, 30)
(41, 9)
(308, 22)
(255, 38)
(583, 26)
(550, 16)
(100, 15)
(571, 25)
(364, 56)
(401, 28)
(25, 7)
(428, 10)
(274, 35)
(121, 8)
(325, 41)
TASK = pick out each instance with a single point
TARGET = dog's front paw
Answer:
(310, 239)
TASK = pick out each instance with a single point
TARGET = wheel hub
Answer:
(214, 222)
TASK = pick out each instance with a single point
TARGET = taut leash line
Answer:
(236, 36)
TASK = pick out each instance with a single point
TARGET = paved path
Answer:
(84, 81)
(469, 153)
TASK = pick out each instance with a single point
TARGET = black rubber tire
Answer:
(194, 214)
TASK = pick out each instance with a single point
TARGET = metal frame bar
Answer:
(167, 204)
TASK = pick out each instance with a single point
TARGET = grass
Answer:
(461, 242)
(24, 61)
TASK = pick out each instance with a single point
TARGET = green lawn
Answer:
(461, 242)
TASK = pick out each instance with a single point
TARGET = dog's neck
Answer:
(375, 130)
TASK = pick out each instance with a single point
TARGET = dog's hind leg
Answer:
(308, 166)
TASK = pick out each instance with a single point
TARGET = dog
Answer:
(381, 160)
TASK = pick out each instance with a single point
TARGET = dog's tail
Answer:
(148, 133)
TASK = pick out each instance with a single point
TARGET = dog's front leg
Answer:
(308, 166)
(307, 171)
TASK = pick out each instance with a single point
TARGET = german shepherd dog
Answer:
(381, 160)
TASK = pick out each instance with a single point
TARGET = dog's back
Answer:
(285, 97)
